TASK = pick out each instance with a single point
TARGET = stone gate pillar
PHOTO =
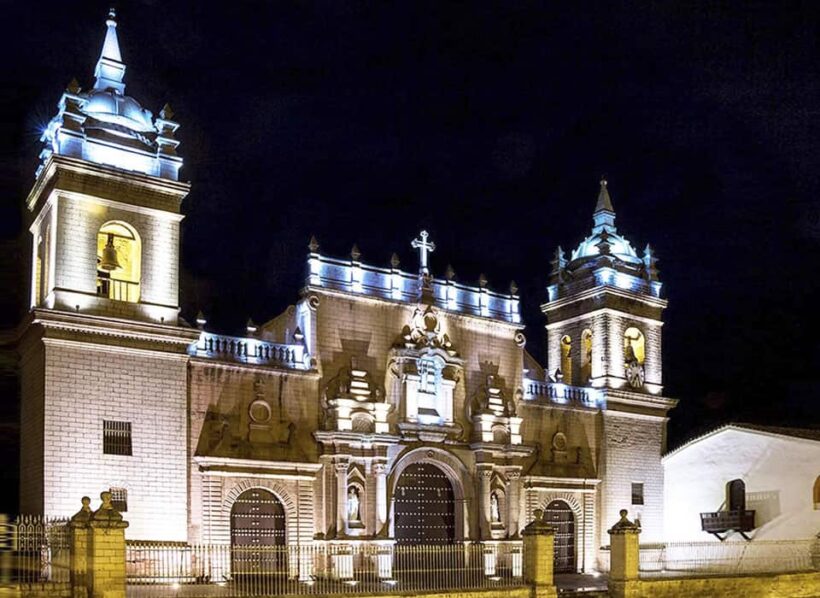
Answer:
(106, 551)
(79, 530)
(539, 553)
(624, 557)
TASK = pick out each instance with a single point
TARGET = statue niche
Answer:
(352, 402)
(425, 362)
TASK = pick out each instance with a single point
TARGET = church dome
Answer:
(109, 106)
(619, 247)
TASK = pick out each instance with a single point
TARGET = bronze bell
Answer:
(109, 259)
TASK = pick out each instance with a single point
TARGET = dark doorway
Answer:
(424, 506)
(257, 533)
(559, 515)
(736, 499)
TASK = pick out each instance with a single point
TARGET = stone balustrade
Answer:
(251, 351)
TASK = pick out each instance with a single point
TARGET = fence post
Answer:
(624, 555)
(539, 552)
(106, 554)
(78, 549)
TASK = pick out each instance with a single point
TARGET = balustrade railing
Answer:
(119, 290)
(249, 350)
(560, 393)
(215, 569)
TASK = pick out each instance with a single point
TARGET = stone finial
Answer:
(513, 288)
(298, 335)
(73, 86)
(482, 280)
(624, 525)
(83, 516)
(166, 113)
(200, 320)
(394, 260)
(538, 526)
(355, 253)
(313, 245)
(450, 274)
(251, 326)
(107, 515)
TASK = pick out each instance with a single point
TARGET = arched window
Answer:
(634, 345)
(566, 358)
(586, 356)
(119, 257)
(817, 494)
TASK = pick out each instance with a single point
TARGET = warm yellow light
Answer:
(122, 283)
(634, 345)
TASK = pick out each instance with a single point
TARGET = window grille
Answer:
(119, 499)
(116, 438)
(637, 493)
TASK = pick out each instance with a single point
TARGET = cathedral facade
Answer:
(388, 405)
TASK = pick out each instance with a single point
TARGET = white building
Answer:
(779, 467)
(385, 406)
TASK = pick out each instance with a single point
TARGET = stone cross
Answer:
(424, 248)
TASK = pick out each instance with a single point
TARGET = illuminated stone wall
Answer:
(85, 384)
(631, 452)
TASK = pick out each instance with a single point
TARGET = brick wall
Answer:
(86, 384)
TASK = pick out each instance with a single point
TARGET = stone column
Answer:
(539, 554)
(341, 499)
(106, 553)
(513, 502)
(380, 472)
(79, 529)
(485, 474)
(624, 555)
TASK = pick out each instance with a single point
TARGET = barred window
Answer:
(116, 438)
(637, 493)
(119, 499)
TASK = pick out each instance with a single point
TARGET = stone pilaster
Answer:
(513, 502)
(539, 554)
(341, 499)
(380, 472)
(485, 474)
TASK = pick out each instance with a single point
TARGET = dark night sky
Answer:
(489, 124)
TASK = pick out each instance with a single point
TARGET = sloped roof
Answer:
(812, 434)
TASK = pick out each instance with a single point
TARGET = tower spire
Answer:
(604, 216)
(110, 69)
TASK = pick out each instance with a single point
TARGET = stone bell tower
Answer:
(604, 312)
(103, 361)
(105, 205)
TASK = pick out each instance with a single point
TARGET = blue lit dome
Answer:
(619, 247)
(109, 106)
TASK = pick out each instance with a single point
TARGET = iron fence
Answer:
(34, 550)
(160, 569)
(728, 558)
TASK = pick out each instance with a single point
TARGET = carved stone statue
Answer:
(353, 505)
(495, 515)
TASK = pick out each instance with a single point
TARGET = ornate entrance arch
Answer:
(559, 514)
(424, 506)
(257, 522)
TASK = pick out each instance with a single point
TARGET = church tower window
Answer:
(566, 358)
(634, 345)
(119, 254)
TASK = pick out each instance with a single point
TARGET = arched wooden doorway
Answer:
(257, 528)
(424, 506)
(560, 516)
